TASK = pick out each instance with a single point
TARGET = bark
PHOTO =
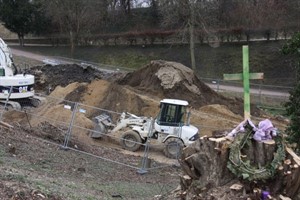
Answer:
(21, 39)
(204, 164)
(72, 43)
(191, 25)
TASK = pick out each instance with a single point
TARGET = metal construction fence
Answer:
(70, 126)
(261, 94)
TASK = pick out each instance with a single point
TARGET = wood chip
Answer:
(186, 177)
(270, 197)
(236, 187)
(295, 157)
(6, 125)
(287, 162)
(287, 173)
(268, 141)
(201, 138)
(218, 139)
(295, 166)
(284, 198)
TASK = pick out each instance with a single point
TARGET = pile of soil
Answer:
(166, 79)
(137, 92)
(50, 76)
(157, 80)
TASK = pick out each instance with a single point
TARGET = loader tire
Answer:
(173, 148)
(131, 141)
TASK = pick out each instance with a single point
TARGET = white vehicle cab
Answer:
(171, 127)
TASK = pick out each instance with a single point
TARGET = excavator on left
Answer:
(16, 89)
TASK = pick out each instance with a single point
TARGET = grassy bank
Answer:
(211, 62)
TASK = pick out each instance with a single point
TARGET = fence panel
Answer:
(260, 94)
(70, 125)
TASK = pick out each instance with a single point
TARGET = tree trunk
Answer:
(205, 162)
(191, 25)
(72, 43)
(21, 39)
(207, 175)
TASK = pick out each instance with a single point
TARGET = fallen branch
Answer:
(5, 125)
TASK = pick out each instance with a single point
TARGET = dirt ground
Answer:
(138, 92)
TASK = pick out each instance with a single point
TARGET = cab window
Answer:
(171, 115)
(2, 72)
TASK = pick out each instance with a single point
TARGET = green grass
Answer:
(14, 177)
(1, 154)
(275, 111)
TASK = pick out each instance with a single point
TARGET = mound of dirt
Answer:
(133, 92)
(48, 77)
(138, 92)
(166, 79)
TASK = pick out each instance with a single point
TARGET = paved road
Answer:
(220, 88)
(252, 90)
(38, 57)
(54, 60)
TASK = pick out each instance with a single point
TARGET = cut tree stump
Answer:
(204, 164)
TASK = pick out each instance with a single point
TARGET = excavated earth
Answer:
(137, 92)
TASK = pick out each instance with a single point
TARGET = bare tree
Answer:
(271, 16)
(190, 16)
(122, 5)
(125, 6)
(264, 16)
(75, 17)
(292, 15)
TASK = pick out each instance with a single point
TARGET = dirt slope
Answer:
(139, 92)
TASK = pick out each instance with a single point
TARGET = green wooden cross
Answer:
(245, 76)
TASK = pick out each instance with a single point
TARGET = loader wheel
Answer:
(131, 141)
(173, 148)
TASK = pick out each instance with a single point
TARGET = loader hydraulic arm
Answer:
(127, 122)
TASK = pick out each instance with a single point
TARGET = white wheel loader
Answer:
(171, 127)
(17, 88)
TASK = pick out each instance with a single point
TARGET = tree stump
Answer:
(212, 163)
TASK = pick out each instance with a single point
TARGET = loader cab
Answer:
(172, 112)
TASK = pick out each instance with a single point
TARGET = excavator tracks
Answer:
(19, 104)
(11, 104)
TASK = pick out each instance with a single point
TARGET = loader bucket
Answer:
(102, 125)
(99, 131)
